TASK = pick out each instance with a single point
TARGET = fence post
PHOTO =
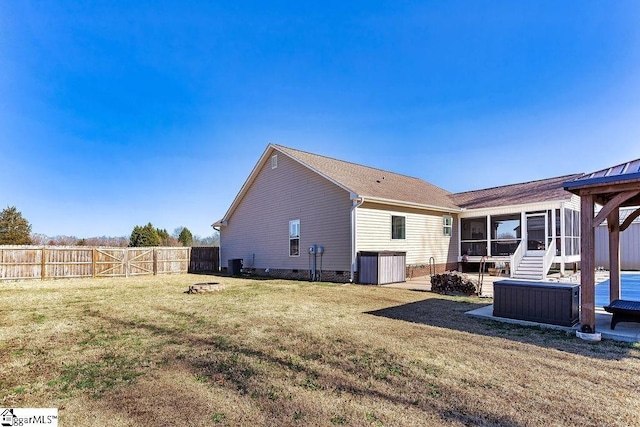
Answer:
(94, 256)
(125, 260)
(188, 260)
(43, 268)
(155, 261)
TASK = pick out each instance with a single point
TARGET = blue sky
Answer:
(115, 114)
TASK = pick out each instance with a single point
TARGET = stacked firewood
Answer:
(452, 282)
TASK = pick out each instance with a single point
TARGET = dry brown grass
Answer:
(139, 351)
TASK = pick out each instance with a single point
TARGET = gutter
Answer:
(519, 207)
(221, 223)
(414, 205)
(356, 204)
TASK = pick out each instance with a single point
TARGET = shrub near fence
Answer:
(54, 262)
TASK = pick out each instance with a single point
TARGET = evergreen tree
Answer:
(144, 236)
(165, 239)
(14, 229)
(136, 236)
(185, 237)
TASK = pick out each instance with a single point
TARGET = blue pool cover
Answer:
(630, 289)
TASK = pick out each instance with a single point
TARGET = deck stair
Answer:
(530, 268)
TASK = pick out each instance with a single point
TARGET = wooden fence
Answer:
(56, 262)
(204, 259)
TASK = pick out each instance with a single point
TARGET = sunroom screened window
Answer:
(473, 240)
(398, 227)
(572, 232)
(294, 237)
(505, 234)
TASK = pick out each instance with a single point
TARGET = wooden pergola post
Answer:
(587, 265)
(613, 222)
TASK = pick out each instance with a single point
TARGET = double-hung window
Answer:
(398, 227)
(447, 225)
(294, 237)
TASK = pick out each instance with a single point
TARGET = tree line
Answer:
(16, 230)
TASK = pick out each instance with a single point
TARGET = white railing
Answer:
(548, 258)
(516, 258)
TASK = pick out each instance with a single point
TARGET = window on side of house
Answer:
(294, 237)
(274, 161)
(447, 225)
(398, 227)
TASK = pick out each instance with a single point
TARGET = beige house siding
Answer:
(574, 203)
(424, 237)
(258, 229)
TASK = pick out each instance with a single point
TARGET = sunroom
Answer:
(521, 229)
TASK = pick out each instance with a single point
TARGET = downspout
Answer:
(356, 204)
(219, 230)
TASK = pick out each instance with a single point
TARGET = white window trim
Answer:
(447, 225)
(292, 222)
(404, 237)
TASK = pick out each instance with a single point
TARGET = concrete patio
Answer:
(625, 331)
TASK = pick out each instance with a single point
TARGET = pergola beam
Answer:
(609, 188)
(627, 222)
(612, 205)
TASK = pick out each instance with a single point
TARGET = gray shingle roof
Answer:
(393, 188)
(374, 183)
(516, 194)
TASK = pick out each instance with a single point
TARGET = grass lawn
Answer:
(139, 351)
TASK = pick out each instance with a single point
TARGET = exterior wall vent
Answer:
(274, 161)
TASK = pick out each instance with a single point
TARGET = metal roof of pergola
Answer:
(612, 188)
